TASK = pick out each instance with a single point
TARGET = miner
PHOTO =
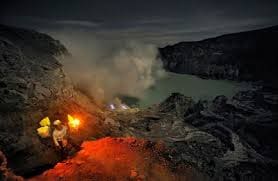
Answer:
(60, 136)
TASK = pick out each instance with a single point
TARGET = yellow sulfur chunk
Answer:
(45, 122)
(44, 131)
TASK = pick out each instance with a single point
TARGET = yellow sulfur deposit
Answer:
(45, 122)
(44, 131)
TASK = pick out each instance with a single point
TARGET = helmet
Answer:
(57, 122)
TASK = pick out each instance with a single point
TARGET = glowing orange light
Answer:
(73, 122)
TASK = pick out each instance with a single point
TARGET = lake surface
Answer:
(192, 86)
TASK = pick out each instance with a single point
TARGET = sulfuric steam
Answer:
(105, 68)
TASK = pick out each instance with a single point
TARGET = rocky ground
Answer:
(224, 139)
(119, 159)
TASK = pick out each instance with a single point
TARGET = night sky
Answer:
(158, 22)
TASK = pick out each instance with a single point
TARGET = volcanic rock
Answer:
(32, 86)
(248, 55)
(118, 159)
(226, 139)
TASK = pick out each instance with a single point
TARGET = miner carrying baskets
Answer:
(60, 136)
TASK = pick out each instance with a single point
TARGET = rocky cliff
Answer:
(32, 86)
(251, 55)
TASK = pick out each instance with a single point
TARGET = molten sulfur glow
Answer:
(73, 122)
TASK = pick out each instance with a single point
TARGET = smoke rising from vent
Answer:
(105, 68)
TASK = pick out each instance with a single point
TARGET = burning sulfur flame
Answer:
(73, 122)
(118, 107)
(124, 106)
(112, 106)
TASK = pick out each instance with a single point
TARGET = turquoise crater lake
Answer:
(190, 85)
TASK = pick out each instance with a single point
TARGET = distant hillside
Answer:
(251, 55)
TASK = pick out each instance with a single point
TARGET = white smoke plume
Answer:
(105, 68)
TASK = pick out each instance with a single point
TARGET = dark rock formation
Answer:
(249, 55)
(227, 139)
(32, 86)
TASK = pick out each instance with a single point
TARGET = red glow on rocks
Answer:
(112, 159)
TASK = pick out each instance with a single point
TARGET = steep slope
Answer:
(251, 55)
(32, 86)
